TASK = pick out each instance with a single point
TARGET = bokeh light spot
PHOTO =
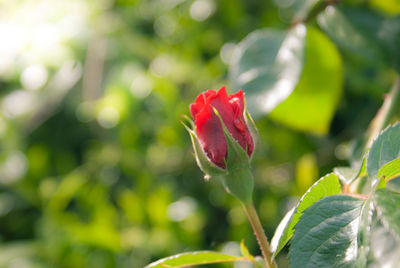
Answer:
(108, 117)
(34, 77)
(181, 209)
(161, 66)
(13, 168)
(226, 52)
(164, 26)
(17, 103)
(202, 9)
(141, 86)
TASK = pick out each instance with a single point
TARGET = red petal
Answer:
(237, 97)
(200, 102)
(208, 94)
(211, 136)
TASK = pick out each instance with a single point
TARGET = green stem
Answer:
(393, 102)
(260, 234)
(386, 112)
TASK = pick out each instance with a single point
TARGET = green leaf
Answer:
(388, 207)
(194, 258)
(385, 148)
(327, 185)
(313, 102)
(267, 65)
(327, 234)
(390, 170)
(353, 29)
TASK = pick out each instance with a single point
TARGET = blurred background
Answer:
(96, 169)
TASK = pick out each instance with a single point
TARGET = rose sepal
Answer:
(238, 179)
(251, 125)
(209, 168)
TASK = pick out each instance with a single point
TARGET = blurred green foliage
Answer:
(96, 169)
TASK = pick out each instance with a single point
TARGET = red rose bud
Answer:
(208, 127)
(223, 137)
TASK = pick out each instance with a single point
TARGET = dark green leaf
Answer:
(326, 235)
(194, 258)
(314, 100)
(267, 65)
(327, 185)
(296, 10)
(353, 29)
(385, 148)
(388, 207)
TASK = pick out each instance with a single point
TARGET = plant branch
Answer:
(385, 113)
(259, 233)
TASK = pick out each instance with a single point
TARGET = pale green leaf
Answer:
(194, 258)
(353, 29)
